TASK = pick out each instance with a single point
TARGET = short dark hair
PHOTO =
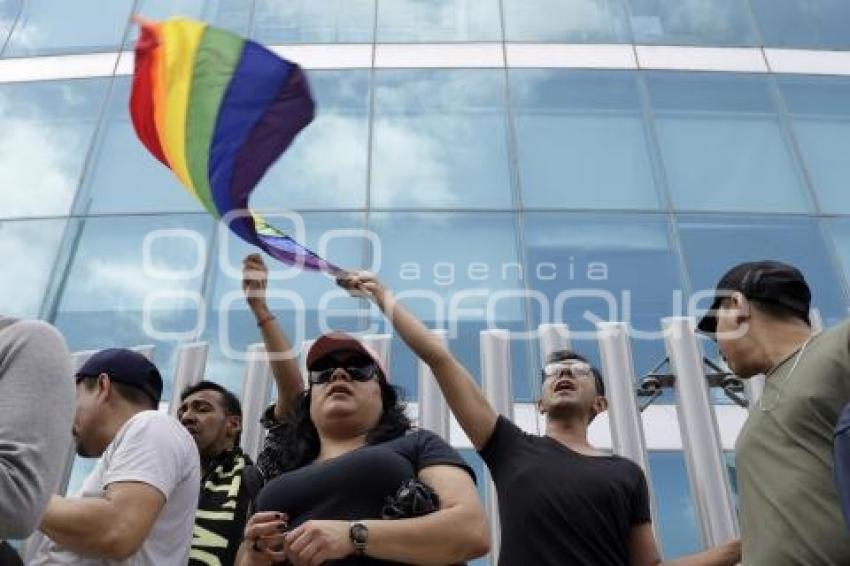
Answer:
(780, 312)
(565, 355)
(232, 407)
(134, 395)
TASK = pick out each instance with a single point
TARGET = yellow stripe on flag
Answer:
(180, 41)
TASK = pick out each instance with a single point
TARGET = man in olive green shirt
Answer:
(790, 510)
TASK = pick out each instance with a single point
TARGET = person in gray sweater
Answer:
(36, 414)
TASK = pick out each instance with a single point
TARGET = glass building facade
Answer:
(500, 163)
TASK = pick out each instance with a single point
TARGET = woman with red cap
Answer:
(339, 451)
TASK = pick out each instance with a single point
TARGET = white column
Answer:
(700, 436)
(188, 371)
(433, 410)
(255, 398)
(380, 343)
(496, 370)
(496, 383)
(552, 337)
(618, 373)
(302, 360)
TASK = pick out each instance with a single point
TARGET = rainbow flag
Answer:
(218, 110)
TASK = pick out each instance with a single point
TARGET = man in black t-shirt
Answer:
(578, 506)
(560, 500)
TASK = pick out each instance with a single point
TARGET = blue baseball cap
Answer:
(127, 367)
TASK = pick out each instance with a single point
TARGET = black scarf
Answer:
(222, 510)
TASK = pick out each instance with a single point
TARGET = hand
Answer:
(264, 540)
(362, 284)
(731, 550)
(255, 278)
(315, 542)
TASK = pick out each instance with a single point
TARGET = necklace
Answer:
(780, 388)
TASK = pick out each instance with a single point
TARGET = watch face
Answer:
(359, 532)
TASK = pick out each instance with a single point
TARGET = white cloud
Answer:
(341, 138)
(410, 168)
(27, 37)
(102, 283)
(329, 20)
(428, 141)
(326, 165)
(699, 15)
(40, 162)
(575, 18)
(430, 20)
(27, 252)
(432, 138)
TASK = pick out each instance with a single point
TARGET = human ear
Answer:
(600, 404)
(742, 306)
(235, 423)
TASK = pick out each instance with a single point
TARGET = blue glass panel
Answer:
(696, 22)
(308, 21)
(582, 140)
(566, 21)
(440, 139)
(305, 302)
(446, 267)
(712, 245)
(401, 21)
(732, 472)
(47, 129)
(600, 268)
(27, 253)
(678, 530)
(326, 166)
(114, 298)
(82, 468)
(813, 24)
(477, 464)
(820, 118)
(839, 229)
(697, 116)
(124, 176)
(45, 27)
(233, 15)
(8, 12)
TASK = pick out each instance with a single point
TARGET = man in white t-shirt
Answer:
(137, 507)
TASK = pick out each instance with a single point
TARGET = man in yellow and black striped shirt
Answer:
(213, 416)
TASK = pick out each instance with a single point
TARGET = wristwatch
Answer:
(359, 535)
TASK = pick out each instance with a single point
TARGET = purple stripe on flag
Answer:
(288, 250)
(287, 114)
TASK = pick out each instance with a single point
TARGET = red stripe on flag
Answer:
(142, 97)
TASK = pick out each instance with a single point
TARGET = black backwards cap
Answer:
(768, 281)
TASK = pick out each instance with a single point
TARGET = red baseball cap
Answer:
(332, 342)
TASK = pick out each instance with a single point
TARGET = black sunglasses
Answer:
(363, 372)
